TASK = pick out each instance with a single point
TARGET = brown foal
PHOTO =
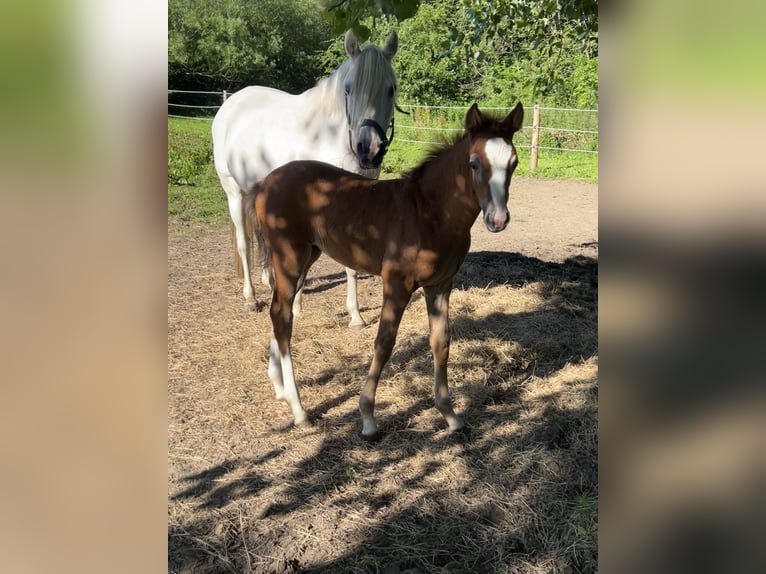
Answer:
(413, 232)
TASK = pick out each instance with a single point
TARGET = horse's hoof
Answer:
(357, 325)
(255, 306)
(304, 424)
(372, 438)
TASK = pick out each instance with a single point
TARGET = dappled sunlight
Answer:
(274, 222)
(318, 193)
(519, 487)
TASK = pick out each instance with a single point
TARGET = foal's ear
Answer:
(392, 45)
(351, 44)
(472, 118)
(512, 122)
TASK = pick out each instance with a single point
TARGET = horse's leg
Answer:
(352, 303)
(395, 299)
(298, 301)
(281, 369)
(437, 303)
(237, 213)
(266, 278)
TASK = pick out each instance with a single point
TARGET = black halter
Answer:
(385, 142)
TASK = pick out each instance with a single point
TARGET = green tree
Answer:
(354, 14)
(428, 72)
(540, 31)
(228, 44)
(540, 18)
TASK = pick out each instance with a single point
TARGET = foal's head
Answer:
(493, 159)
(369, 87)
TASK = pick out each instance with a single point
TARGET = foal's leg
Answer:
(437, 303)
(352, 302)
(395, 299)
(275, 370)
(237, 213)
(281, 369)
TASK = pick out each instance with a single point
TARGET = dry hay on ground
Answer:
(518, 494)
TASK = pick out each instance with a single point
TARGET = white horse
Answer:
(341, 121)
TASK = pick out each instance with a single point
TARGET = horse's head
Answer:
(493, 159)
(369, 89)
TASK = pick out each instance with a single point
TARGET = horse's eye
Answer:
(347, 89)
(474, 164)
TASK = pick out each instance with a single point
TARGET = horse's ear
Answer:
(472, 118)
(512, 122)
(392, 45)
(351, 44)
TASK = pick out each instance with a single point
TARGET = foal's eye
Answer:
(347, 89)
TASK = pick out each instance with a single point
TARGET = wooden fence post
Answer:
(535, 136)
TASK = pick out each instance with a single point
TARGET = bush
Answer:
(190, 155)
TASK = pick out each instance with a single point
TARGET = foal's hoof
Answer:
(461, 434)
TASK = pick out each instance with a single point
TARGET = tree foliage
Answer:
(345, 14)
(450, 51)
(228, 44)
(540, 20)
(540, 30)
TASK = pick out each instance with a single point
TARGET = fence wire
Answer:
(565, 138)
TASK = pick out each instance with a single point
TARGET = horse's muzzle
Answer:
(371, 160)
(369, 150)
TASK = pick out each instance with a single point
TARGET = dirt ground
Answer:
(517, 493)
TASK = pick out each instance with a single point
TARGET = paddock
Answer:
(250, 493)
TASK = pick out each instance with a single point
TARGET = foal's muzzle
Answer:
(496, 220)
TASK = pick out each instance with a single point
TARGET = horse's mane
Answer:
(371, 63)
(489, 126)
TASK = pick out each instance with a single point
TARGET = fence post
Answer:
(225, 95)
(535, 136)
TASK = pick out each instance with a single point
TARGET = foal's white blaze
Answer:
(499, 155)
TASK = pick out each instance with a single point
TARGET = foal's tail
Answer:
(254, 230)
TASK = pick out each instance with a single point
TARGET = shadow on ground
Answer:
(526, 497)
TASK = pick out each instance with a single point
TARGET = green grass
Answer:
(550, 164)
(559, 165)
(195, 195)
(198, 204)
